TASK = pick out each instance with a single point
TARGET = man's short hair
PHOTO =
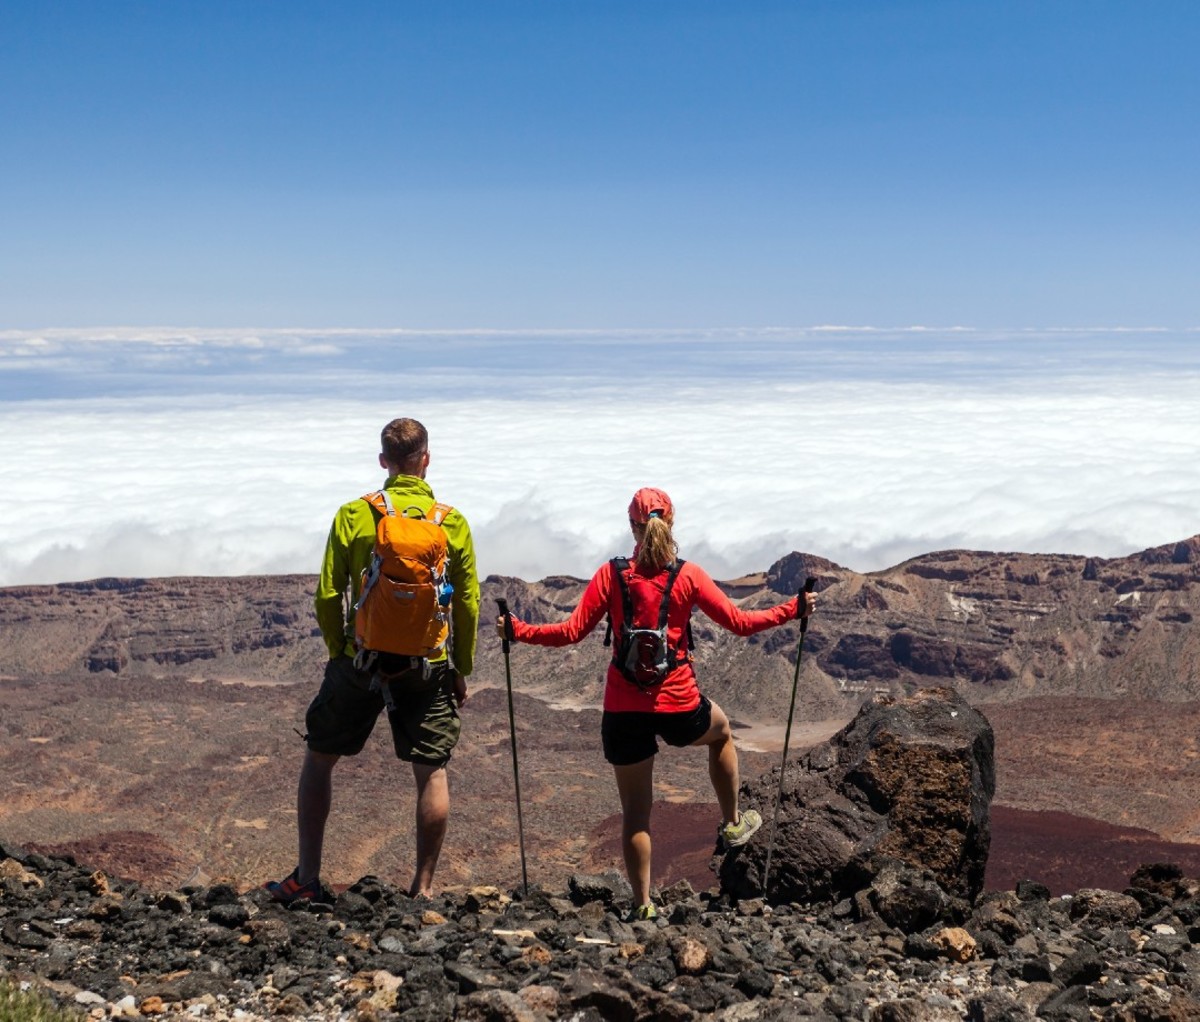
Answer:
(402, 440)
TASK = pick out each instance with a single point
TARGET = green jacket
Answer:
(348, 551)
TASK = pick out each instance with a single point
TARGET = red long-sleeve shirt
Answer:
(693, 587)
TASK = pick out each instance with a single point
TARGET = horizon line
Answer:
(734, 580)
(155, 332)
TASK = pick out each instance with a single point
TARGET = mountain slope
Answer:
(995, 625)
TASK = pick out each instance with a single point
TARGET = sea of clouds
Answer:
(139, 452)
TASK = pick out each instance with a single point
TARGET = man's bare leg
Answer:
(433, 812)
(314, 796)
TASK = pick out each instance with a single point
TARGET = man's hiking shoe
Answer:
(643, 912)
(734, 834)
(290, 889)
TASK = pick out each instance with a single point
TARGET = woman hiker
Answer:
(651, 687)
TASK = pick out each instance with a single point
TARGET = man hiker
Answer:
(421, 692)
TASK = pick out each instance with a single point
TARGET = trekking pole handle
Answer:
(810, 584)
(508, 628)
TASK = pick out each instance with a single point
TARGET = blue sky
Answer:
(911, 275)
(599, 165)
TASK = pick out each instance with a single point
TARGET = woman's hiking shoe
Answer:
(643, 912)
(735, 834)
(290, 889)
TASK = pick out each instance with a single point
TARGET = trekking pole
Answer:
(512, 731)
(809, 583)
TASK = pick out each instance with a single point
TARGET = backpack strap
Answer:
(620, 566)
(665, 606)
(380, 501)
(680, 653)
(437, 514)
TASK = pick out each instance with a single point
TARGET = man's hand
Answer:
(460, 689)
(810, 604)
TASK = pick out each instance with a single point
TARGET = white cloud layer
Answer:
(864, 451)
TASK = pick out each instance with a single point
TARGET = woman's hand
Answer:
(810, 604)
(500, 626)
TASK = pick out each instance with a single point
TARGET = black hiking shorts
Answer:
(630, 737)
(425, 723)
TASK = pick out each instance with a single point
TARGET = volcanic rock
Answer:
(482, 954)
(908, 781)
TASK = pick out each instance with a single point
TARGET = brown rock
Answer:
(382, 1000)
(691, 956)
(361, 982)
(291, 1004)
(85, 929)
(906, 1010)
(539, 954)
(486, 898)
(173, 901)
(541, 999)
(908, 780)
(384, 980)
(495, 1006)
(108, 907)
(10, 869)
(271, 931)
(956, 943)
(1105, 908)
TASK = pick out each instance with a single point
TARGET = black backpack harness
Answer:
(644, 655)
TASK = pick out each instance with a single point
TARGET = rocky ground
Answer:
(116, 949)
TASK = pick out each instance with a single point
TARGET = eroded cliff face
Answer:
(993, 625)
(261, 628)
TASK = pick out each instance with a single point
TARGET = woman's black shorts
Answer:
(630, 737)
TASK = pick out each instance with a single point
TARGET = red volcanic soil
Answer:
(1066, 853)
(684, 836)
(121, 853)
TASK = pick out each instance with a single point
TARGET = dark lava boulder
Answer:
(908, 780)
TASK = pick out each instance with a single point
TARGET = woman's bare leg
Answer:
(722, 763)
(635, 783)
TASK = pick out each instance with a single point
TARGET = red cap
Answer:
(649, 503)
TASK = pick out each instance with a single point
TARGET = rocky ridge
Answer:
(994, 625)
(116, 949)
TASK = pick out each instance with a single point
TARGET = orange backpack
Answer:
(404, 605)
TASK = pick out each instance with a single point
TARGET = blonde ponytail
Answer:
(657, 548)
